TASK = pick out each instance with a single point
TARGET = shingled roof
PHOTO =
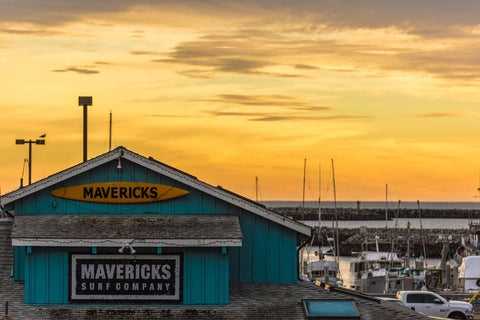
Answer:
(138, 230)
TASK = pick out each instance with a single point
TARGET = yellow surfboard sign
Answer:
(119, 192)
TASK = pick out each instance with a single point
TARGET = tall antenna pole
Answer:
(110, 133)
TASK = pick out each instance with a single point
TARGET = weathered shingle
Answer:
(123, 226)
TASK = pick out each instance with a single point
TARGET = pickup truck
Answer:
(431, 304)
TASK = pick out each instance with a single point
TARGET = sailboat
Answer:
(324, 271)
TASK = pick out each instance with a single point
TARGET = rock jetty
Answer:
(351, 239)
(298, 213)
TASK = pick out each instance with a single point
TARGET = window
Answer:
(428, 298)
(415, 298)
(330, 309)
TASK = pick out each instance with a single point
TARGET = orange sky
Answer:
(228, 91)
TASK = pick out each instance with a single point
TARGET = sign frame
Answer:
(75, 297)
(119, 192)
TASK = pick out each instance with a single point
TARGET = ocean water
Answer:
(376, 204)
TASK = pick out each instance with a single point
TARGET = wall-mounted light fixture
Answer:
(129, 247)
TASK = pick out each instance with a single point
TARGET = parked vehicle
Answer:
(432, 304)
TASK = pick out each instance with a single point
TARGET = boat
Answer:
(467, 256)
(323, 270)
(469, 274)
(470, 245)
(369, 268)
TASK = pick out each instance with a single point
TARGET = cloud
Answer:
(313, 118)
(266, 117)
(77, 70)
(142, 52)
(305, 66)
(197, 73)
(267, 101)
(424, 37)
(41, 31)
(427, 17)
(221, 64)
(439, 115)
(169, 116)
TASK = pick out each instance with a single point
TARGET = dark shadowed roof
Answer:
(37, 228)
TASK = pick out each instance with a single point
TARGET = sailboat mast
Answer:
(421, 231)
(386, 206)
(319, 197)
(337, 244)
(256, 188)
(320, 255)
(303, 199)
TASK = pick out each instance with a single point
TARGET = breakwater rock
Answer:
(351, 240)
(298, 213)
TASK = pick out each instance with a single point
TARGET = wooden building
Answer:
(124, 228)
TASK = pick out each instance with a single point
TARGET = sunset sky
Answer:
(231, 90)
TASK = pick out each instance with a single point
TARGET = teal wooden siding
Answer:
(19, 263)
(205, 276)
(267, 255)
(205, 273)
(46, 276)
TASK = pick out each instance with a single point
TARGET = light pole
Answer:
(85, 102)
(30, 142)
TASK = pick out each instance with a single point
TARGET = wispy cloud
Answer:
(170, 116)
(142, 52)
(267, 101)
(305, 67)
(77, 70)
(32, 31)
(314, 118)
(439, 115)
(268, 117)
